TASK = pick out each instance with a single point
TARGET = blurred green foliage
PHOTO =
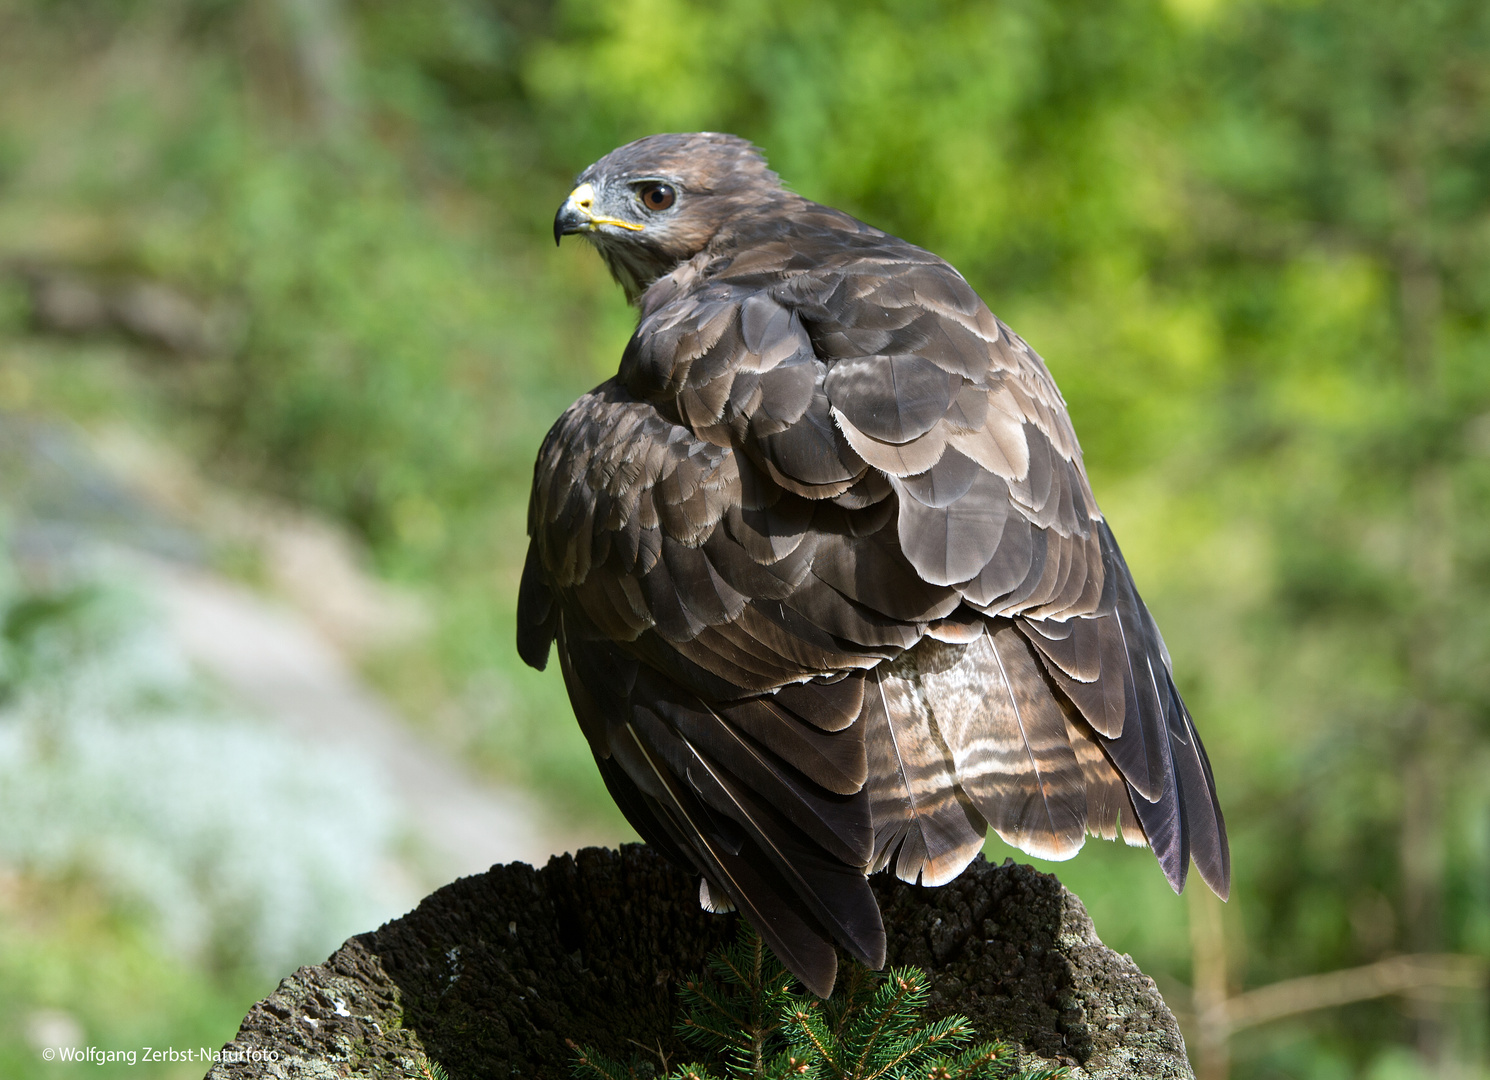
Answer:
(164, 858)
(1251, 238)
(65, 949)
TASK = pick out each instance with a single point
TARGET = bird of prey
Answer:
(829, 588)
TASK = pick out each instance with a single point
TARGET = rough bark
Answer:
(491, 974)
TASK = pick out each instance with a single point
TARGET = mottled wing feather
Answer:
(1112, 665)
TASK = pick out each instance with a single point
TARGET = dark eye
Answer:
(658, 196)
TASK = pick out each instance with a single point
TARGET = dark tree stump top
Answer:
(491, 974)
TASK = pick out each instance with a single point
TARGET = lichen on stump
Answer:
(492, 974)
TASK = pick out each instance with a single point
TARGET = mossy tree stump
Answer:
(492, 974)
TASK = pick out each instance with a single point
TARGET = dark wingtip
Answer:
(537, 619)
(1214, 863)
(1176, 869)
(819, 976)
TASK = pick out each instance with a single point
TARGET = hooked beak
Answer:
(577, 215)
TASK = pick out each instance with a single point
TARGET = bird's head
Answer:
(657, 202)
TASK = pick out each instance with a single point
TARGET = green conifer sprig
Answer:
(737, 1014)
(750, 1019)
(427, 1069)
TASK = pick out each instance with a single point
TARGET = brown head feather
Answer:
(719, 179)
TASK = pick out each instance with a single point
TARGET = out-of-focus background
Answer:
(282, 325)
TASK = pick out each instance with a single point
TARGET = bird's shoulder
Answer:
(861, 299)
(856, 348)
(613, 464)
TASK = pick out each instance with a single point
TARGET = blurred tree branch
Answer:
(1308, 993)
(1217, 1020)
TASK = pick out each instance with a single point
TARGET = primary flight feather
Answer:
(828, 585)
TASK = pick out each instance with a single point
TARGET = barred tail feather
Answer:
(920, 820)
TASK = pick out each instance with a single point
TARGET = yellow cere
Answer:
(582, 199)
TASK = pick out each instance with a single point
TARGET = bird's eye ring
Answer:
(658, 196)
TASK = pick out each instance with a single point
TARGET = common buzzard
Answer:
(830, 589)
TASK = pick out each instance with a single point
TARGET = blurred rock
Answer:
(321, 566)
(64, 304)
(75, 303)
(307, 561)
(274, 661)
(76, 505)
(155, 314)
(61, 499)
